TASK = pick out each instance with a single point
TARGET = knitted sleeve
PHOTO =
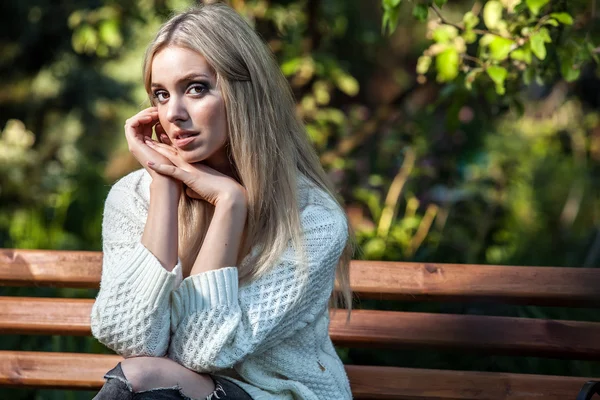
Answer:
(131, 314)
(215, 326)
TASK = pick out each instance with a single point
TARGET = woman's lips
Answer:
(183, 140)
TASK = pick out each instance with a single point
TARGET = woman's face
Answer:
(190, 106)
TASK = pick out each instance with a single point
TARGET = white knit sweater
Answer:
(272, 333)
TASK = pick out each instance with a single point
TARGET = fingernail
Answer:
(150, 163)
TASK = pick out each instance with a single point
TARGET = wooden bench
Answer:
(389, 281)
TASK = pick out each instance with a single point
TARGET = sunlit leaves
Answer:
(538, 42)
(536, 5)
(96, 31)
(498, 76)
(391, 12)
(470, 20)
(444, 33)
(423, 64)
(500, 48)
(516, 36)
(447, 63)
(563, 18)
(522, 54)
(492, 14)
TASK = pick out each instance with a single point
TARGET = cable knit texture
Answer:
(270, 336)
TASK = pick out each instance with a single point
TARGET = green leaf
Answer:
(500, 48)
(569, 71)
(444, 33)
(290, 67)
(537, 45)
(522, 54)
(536, 5)
(545, 34)
(563, 18)
(470, 20)
(390, 19)
(492, 13)
(486, 39)
(552, 22)
(391, 3)
(347, 84)
(591, 48)
(447, 65)
(440, 3)
(423, 64)
(469, 36)
(109, 33)
(498, 75)
(420, 12)
(568, 63)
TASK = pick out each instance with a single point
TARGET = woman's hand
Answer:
(139, 128)
(203, 182)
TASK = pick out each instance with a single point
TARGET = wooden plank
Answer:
(85, 371)
(45, 316)
(422, 384)
(76, 269)
(550, 286)
(367, 328)
(369, 279)
(54, 370)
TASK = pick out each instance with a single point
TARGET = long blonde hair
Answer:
(268, 144)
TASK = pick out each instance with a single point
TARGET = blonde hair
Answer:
(267, 144)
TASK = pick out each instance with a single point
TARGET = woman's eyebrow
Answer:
(186, 78)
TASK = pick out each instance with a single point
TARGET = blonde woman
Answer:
(220, 255)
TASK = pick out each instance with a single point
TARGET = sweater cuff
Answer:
(147, 277)
(209, 289)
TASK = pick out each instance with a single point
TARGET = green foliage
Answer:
(512, 32)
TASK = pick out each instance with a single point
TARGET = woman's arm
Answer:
(131, 314)
(224, 236)
(160, 231)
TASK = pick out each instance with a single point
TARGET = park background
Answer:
(452, 167)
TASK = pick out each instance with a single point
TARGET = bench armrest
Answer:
(588, 390)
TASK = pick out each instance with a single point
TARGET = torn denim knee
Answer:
(123, 389)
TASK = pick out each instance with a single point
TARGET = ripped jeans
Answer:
(117, 387)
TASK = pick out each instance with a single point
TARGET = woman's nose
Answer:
(176, 110)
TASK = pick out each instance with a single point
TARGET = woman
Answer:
(220, 255)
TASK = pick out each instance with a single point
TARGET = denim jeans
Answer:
(117, 387)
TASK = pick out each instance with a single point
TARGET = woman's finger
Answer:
(161, 134)
(190, 193)
(165, 150)
(172, 171)
(144, 117)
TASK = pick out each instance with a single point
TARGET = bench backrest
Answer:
(573, 287)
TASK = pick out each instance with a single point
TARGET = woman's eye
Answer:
(161, 95)
(197, 89)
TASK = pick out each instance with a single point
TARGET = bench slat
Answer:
(75, 269)
(550, 286)
(369, 279)
(367, 328)
(85, 371)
